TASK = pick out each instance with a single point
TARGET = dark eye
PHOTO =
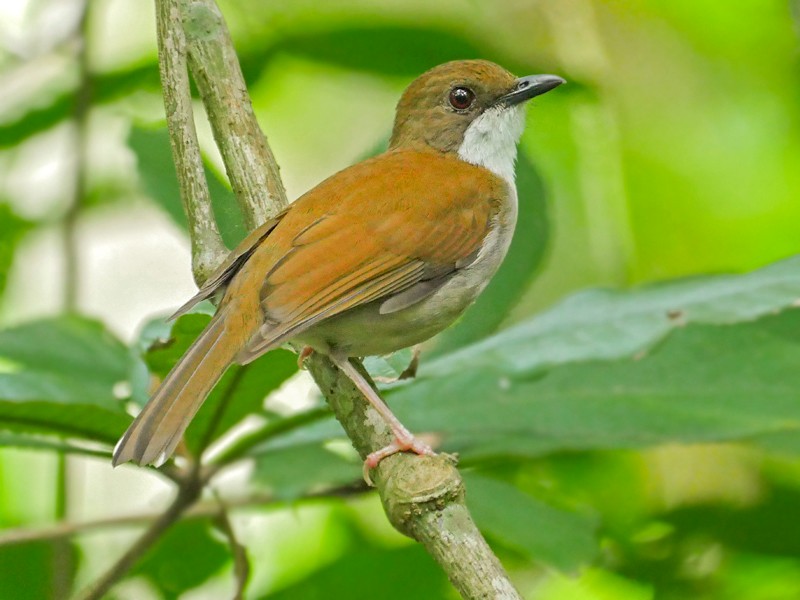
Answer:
(461, 98)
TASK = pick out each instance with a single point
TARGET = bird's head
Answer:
(472, 108)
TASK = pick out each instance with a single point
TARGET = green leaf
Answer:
(28, 570)
(517, 271)
(186, 556)
(59, 377)
(704, 383)
(588, 374)
(240, 392)
(374, 49)
(391, 366)
(301, 469)
(12, 229)
(75, 347)
(157, 172)
(612, 324)
(367, 572)
(521, 522)
(105, 88)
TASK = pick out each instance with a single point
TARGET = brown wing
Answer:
(383, 226)
(230, 266)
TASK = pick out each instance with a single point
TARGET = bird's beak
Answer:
(528, 87)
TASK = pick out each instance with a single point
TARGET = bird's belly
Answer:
(364, 331)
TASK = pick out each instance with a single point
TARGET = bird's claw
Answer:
(400, 444)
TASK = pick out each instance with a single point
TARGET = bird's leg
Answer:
(404, 440)
(303, 355)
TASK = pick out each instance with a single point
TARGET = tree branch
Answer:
(199, 510)
(188, 492)
(208, 249)
(251, 167)
(423, 496)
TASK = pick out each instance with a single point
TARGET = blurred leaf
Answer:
(59, 376)
(706, 381)
(186, 556)
(768, 527)
(78, 348)
(12, 228)
(368, 572)
(521, 522)
(154, 157)
(291, 472)
(377, 49)
(105, 88)
(518, 269)
(28, 570)
(240, 392)
(611, 324)
(391, 366)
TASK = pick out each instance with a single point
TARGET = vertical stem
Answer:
(251, 167)
(207, 247)
(80, 119)
(62, 556)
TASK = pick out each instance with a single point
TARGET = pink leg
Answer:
(404, 440)
(304, 354)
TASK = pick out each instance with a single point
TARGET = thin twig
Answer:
(198, 511)
(188, 492)
(241, 564)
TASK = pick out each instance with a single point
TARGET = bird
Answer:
(380, 256)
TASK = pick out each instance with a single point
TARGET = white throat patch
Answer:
(491, 140)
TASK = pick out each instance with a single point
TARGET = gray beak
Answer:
(529, 87)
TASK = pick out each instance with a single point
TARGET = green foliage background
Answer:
(624, 397)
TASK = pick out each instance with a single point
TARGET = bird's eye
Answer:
(461, 98)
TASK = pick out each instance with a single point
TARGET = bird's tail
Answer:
(154, 434)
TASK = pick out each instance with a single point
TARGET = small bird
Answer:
(381, 256)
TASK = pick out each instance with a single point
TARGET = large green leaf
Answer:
(588, 374)
(612, 324)
(704, 383)
(59, 377)
(563, 539)
(186, 556)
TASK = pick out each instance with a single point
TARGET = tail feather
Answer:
(154, 434)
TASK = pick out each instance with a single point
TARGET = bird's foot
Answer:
(304, 354)
(404, 441)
